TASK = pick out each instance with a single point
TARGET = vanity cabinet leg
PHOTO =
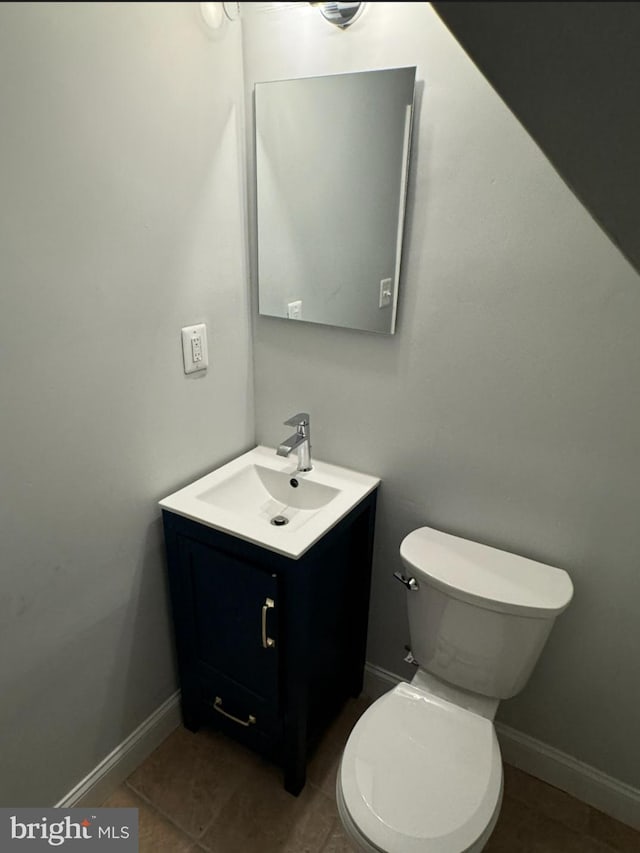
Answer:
(191, 722)
(295, 756)
(190, 717)
(357, 684)
(295, 778)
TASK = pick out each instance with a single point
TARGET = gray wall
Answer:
(121, 221)
(505, 407)
(571, 73)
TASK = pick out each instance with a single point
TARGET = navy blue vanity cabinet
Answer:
(269, 648)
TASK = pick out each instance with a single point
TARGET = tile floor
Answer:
(206, 793)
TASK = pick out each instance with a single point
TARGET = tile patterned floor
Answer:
(206, 793)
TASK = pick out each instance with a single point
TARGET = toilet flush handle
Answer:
(410, 583)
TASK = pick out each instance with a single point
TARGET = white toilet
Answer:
(421, 771)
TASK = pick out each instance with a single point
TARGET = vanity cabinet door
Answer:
(234, 612)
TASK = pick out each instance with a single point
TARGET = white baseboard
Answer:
(582, 781)
(123, 760)
(378, 681)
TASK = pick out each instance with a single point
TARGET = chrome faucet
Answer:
(300, 441)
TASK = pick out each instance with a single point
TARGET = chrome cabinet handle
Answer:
(267, 642)
(410, 583)
(217, 706)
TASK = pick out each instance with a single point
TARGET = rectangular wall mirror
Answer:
(331, 168)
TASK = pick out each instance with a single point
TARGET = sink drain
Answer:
(279, 520)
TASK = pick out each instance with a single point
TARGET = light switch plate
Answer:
(194, 348)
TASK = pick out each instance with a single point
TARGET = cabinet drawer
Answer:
(238, 711)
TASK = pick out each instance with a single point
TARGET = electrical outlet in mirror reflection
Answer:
(294, 310)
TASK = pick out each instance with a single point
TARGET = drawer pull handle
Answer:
(267, 642)
(217, 706)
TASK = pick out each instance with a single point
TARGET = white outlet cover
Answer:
(189, 334)
(294, 310)
(386, 292)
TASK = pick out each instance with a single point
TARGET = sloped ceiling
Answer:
(570, 72)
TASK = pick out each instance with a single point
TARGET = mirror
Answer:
(331, 169)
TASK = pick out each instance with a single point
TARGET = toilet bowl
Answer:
(421, 771)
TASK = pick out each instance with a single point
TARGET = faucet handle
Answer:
(301, 419)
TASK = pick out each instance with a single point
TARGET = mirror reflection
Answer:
(331, 170)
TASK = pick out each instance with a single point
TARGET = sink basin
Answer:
(262, 498)
(255, 484)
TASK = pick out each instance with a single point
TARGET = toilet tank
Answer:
(480, 616)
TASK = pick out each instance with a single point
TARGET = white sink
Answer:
(247, 490)
(262, 498)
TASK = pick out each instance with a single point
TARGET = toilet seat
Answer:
(421, 775)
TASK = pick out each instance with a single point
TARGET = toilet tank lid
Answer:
(485, 576)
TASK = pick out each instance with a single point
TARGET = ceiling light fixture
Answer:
(340, 14)
(212, 15)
